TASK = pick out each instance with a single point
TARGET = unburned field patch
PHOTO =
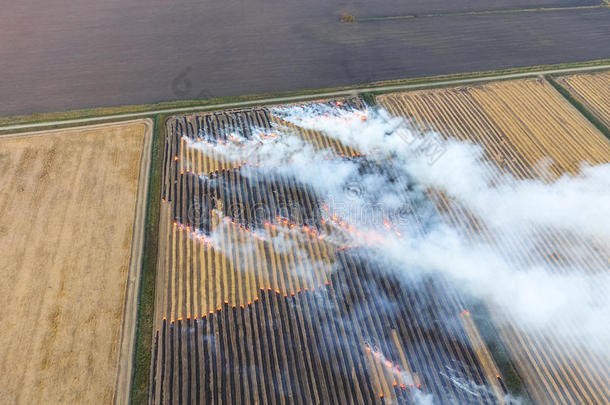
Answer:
(70, 237)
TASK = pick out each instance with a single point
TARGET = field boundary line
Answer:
(147, 291)
(320, 95)
(604, 4)
(130, 310)
(46, 132)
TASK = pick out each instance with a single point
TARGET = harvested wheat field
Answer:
(71, 229)
(521, 124)
(255, 272)
(592, 90)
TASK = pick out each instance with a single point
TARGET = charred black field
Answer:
(334, 252)
(263, 298)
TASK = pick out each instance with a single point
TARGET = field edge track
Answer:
(146, 308)
(130, 308)
(573, 98)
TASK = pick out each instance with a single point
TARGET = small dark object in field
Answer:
(347, 18)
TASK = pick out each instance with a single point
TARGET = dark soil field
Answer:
(61, 54)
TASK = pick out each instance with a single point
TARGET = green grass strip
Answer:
(368, 98)
(146, 302)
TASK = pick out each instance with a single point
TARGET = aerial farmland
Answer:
(191, 50)
(71, 242)
(361, 249)
(592, 90)
(512, 121)
(365, 202)
(248, 301)
(229, 291)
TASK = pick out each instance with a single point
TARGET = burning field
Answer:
(444, 246)
(70, 238)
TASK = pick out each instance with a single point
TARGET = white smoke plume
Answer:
(565, 300)
(537, 294)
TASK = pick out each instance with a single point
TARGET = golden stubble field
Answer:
(70, 238)
(592, 90)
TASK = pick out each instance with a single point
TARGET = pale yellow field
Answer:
(68, 233)
(592, 90)
(519, 124)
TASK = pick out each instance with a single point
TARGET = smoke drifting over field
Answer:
(385, 199)
(538, 294)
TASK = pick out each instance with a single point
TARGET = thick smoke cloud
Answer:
(537, 294)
